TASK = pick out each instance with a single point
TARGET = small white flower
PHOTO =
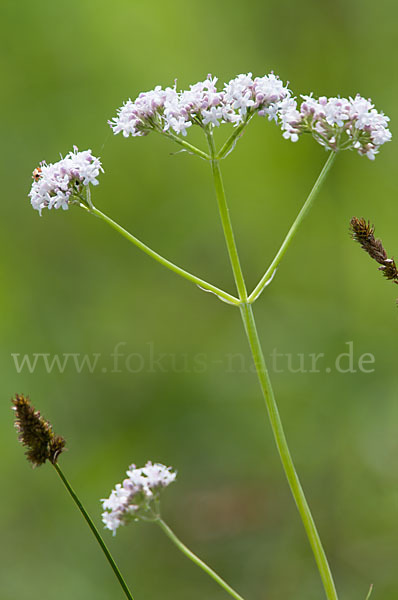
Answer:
(158, 475)
(269, 92)
(179, 125)
(213, 115)
(111, 521)
(137, 496)
(239, 93)
(62, 183)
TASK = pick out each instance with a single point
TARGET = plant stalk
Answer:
(163, 261)
(95, 531)
(231, 141)
(186, 145)
(284, 453)
(226, 220)
(261, 369)
(195, 559)
(294, 228)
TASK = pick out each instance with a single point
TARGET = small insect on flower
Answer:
(36, 174)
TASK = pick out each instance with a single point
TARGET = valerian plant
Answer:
(337, 124)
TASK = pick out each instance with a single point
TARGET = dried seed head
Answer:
(363, 233)
(36, 433)
(361, 230)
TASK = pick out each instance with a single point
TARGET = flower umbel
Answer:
(138, 496)
(65, 182)
(336, 123)
(203, 104)
(36, 433)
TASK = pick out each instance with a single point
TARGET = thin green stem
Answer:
(95, 531)
(264, 380)
(283, 449)
(370, 592)
(293, 230)
(189, 147)
(226, 220)
(195, 559)
(163, 261)
(231, 141)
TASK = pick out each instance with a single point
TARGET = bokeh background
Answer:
(72, 285)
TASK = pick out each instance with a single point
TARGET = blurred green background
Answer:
(70, 284)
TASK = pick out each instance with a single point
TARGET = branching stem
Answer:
(163, 261)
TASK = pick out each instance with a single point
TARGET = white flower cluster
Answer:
(166, 109)
(56, 185)
(135, 497)
(336, 123)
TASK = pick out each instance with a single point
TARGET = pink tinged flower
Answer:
(360, 108)
(202, 104)
(239, 93)
(213, 115)
(337, 123)
(118, 497)
(158, 475)
(371, 153)
(60, 184)
(137, 496)
(179, 125)
(380, 136)
(111, 521)
(269, 91)
(337, 110)
(135, 118)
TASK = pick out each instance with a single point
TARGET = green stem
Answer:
(95, 531)
(283, 449)
(265, 383)
(195, 559)
(189, 147)
(163, 261)
(229, 143)
(226, 220)
(293, 230)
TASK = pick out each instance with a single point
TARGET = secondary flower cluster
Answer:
(62, 183)
(137, 496)
(336, 123)
(166, 109)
